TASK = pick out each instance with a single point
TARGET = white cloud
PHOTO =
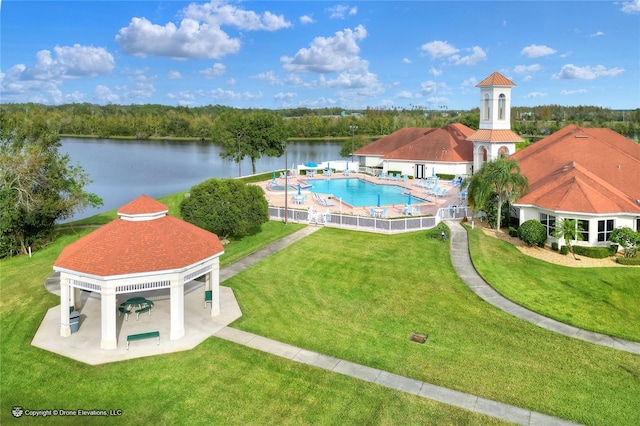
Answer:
(535, 51)
(406, 60)
(220, 13)
(306, 19)
(439, 49)
(597, 34)
(340, 11)
(190, 40)
(330, 54)
(521, 69)
(470, 82)
(83, 61)
(215, 71)
(477, 55)
(269, 77)
(199, 34)
(435, 72)
(288, 96)
(526, 78)
(431, 87)
(231, 82)
(174, 75)
(228, 95)
(41, 82)
(533, 95)
(404, 95)
(573, 92)
(103, 94)
(442, 49)
(74, 97)
(570, 72)
(631, 7)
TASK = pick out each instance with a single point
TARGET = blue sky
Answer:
(286, 54)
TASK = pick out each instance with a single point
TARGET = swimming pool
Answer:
(360, 193)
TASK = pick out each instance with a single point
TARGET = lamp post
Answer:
(286, 184)
(238, 137)
(353, 129)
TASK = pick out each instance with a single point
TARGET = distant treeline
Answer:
(162, 121)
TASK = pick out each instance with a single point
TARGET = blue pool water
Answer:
(360, 193)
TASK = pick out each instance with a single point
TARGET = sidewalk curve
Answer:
(461, 260)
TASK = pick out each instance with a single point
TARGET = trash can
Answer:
(74, 321)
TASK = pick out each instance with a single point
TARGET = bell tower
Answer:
(494, 138)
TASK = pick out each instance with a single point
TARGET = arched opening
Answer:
(502, 100)
(503, 152)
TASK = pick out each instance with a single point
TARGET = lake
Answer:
(122, 170)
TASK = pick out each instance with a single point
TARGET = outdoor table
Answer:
(378, 211)
(135, 301)
(297, 199)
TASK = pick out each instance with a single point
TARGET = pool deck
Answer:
(429, 207)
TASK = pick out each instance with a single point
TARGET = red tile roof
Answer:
(582, 170)
(143, 205)
(393, 141)
(496, 79)
(128, 247)
(495, 136)
(448, 144)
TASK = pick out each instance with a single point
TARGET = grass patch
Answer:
(359, 296)
(216, 383)
(604, 300)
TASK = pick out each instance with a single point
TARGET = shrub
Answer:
(564, 250)
(436, 232)
(554, 246)
(628, 260)
(533, 232)
(593, 252)
(227, 207)
(513, 232)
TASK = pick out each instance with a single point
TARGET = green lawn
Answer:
(604, 300)
(347, 294)
(216, 383)
(359, 296)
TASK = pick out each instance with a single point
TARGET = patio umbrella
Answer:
(311, 164)
(378, 200)
(347, 165)
(409, 199)
(298, 189)
(274, 175)
(433, 171)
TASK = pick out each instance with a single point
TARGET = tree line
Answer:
(162, 121)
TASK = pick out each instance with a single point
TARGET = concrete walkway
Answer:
(464, 268)
(404, 384)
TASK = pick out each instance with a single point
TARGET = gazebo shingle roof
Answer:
(126, 246)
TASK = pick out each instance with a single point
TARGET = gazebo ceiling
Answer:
(144, 239)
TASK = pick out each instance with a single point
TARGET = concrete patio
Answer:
(84, 345)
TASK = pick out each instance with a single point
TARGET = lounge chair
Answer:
(383, 175)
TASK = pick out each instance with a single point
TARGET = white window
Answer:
(605, 227)
(487, 107)
(549, 223)
(501, 106)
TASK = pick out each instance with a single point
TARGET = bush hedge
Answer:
(593, 252)
(437, 231)
(533, 232)
(554, 246)
(628, 260)
(564, 250)
(513, 232)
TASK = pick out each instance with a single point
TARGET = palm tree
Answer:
(501, 177)
(569, 230)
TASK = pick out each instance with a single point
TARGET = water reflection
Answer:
(122, 170)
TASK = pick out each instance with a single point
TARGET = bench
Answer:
(124, 311)
(140, 336)
(144, 309)
(208, 297)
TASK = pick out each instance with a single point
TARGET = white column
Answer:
(215, 287)
(76, 298)
(176, 295)
(65, 330)
(108, 316)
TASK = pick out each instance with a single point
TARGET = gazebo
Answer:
(144, 249)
